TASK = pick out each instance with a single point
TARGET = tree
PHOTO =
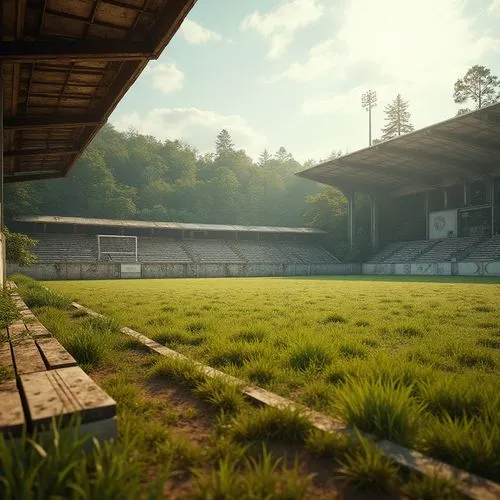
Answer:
(479, 86)
(397, 117)
(264, 158)
(18, 248)
(223, 143)
(282, 155)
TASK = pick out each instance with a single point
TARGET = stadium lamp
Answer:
(369, 101)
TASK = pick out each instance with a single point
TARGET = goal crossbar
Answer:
(101, 239)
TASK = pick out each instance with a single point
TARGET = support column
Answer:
(445, 198)
(493, 208)
(3, 262)
(426, 211)
(465, 193)
(373, 222)
(351, 222)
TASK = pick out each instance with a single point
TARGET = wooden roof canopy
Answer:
(65, 66)
(466, 147)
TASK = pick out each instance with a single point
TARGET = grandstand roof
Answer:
(66, 65)
(138, 224)
(461, 148)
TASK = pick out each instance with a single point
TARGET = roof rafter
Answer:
(27, 122)
(75, 50)
(35, 153)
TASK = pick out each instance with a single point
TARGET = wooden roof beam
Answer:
(49, 121)
(75, 50)
(36, 153)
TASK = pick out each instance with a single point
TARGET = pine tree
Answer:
(264, 158)
(224, 143)
(397, 118)
(282, 155)
(479, 86)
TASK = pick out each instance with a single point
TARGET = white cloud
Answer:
(322, 59)
(195, 126)
(165, 77)
(195, 33)
(404, 39)
(279, 26)
(494, 7)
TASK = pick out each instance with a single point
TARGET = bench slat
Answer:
(63, 392)
(6, 362)
(54, 354)
(17, 330)
(11, 409)
(27, 357)
(37, 330)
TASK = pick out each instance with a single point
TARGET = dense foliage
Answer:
(19, 247)
(128, 175)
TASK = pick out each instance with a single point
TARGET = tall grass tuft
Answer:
(367, 468)
(382, 407)
(221, 394)
(56, 466)
(328, 444)
(271, 424)
(432, 488)
(309, 356)
(467, 443)
(179, 369)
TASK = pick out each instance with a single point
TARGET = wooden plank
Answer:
(11, 410)
(17, 331)
(27, 357)
(6, 363)
(64, 392)
(37, 330)
(54, 354)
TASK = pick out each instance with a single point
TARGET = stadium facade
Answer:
(450, 172)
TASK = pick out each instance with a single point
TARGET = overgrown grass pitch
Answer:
(414, 362)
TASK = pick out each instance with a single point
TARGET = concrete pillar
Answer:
(445, 198)
(351, 222)
(465, 194)
(373, 222)
(426, 212)
(493, 208)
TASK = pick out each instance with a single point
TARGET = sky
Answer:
(291, 72)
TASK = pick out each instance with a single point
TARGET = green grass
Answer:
(384, 353)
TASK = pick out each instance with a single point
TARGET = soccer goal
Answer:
(114, 247)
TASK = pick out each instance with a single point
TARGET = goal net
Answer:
(118, 248)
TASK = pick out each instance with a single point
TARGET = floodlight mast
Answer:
(369, 101)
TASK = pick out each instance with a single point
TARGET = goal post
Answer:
(112, 247)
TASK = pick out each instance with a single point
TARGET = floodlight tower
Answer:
(369, 101)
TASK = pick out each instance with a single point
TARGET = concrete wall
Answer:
(109, 270)
(436, 269)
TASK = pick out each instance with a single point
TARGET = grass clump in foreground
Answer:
(256, 477)
(58, 467)
(271, 424)
(368, 469)
(381, 407)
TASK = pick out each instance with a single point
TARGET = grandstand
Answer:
(103, 248)
(449, 173)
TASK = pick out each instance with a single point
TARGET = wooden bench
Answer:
(42, 382)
